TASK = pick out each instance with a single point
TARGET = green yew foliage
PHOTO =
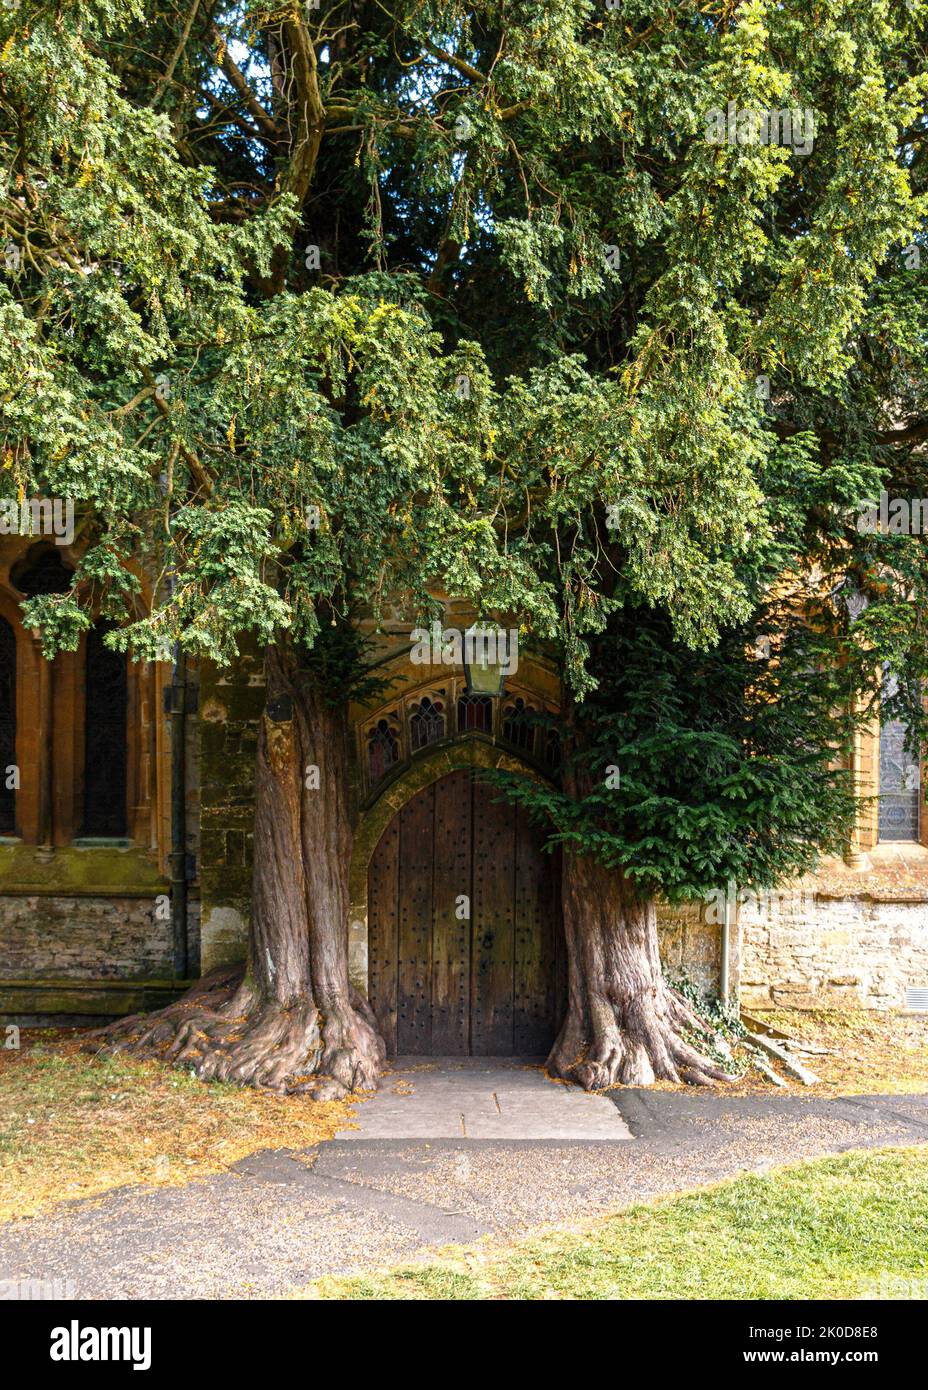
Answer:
(320, 311)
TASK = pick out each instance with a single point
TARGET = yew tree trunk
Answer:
(291, 1021)
(624, 1023)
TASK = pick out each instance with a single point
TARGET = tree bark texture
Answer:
(624, 1024)
(289, 1022)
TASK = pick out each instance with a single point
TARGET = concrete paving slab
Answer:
(483, 1098)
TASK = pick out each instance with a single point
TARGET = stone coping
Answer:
(79, 871)
(884, 882)
(876, 895)
(106, 998)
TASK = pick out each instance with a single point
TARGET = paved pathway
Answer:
(280, 1219)
(482, 1098)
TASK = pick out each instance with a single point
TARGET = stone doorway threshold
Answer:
(481, 1098)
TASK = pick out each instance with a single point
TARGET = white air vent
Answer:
(916, 997)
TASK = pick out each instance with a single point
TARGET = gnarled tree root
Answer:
(221, 1031)
(633, 1043)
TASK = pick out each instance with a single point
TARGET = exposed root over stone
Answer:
(221, 1031)
(624, 1025)
(634, 1046)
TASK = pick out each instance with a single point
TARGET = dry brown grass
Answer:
(867, 1053)
(870, 1053)
(73, 1125)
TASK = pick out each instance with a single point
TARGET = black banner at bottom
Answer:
(158, 1340)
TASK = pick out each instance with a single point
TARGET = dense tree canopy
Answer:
(313, 306)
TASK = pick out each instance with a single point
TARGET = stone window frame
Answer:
(441, 708)
(395, 723)
(875, 754)
(49, 744)
(865, 767)
(474, 700)
(25, 748)
(527, 733)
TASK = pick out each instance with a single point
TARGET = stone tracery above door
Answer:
(421, 718)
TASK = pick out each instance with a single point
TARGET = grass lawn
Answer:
(75, 1126)
(848, 1227)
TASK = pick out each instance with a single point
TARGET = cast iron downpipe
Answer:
(726, 949)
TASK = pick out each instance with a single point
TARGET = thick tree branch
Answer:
(912, 433)
(459, 64)
(168, 76)
(311, 116)
(233, 117)
(196, 468)
(236, 78)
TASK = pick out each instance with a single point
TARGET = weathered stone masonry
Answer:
(854, 952)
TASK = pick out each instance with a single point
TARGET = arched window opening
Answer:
(900, 777)
(41, 571)
(475, 712)
(552, 749)
(426, 723)
(7, 727)
(434, 715)
(105, 738)
(519, 726)
(383, 749)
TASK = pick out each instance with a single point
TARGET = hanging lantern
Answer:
(484, 669)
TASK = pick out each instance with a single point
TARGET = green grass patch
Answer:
(849, 1227)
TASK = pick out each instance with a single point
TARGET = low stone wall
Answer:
(801, 951)
(112, 937)
(797, 951)
(810, 951)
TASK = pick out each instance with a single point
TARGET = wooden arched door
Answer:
(465, 939)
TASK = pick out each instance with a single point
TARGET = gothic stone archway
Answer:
(464, 929)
